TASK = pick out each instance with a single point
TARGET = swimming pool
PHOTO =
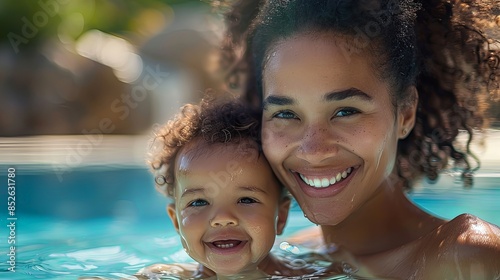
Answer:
(108, 221)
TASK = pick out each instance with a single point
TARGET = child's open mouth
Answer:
(227, 246)
(224, 244)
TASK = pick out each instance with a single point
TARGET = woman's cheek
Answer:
(279, 131)
(274, 142)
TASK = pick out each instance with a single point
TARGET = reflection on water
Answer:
(104, 249)
(319, 266)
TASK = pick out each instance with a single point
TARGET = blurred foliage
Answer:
(26, 23)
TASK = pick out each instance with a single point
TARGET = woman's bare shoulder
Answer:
(469, 231)
(465, 245)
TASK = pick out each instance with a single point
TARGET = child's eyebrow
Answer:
(192, 191)
(252, 189)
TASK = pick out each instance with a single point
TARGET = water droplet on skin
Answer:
(274, 54)
(348, 268)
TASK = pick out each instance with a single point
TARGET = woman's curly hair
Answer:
(213, 120)
(436, 45)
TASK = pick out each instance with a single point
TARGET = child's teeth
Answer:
(225, 245)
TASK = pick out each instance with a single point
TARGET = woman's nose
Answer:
(317, 145)
(223, 218)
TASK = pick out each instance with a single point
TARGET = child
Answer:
(227, 204)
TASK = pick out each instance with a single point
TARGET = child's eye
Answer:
(346, 112)
(198, 203)
(247, 200)
(285, 115)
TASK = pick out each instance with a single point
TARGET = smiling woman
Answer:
(359, 100)
(346, 96)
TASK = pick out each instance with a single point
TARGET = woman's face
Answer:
(329, 130)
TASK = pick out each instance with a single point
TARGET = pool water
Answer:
(109, 221)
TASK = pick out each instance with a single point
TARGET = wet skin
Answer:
(228, 207)
(330, 132)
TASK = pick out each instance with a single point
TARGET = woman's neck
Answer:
(387, 221)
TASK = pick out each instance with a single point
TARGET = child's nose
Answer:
(223, 218)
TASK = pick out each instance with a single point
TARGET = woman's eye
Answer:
(285, 115)
(247, 200)
(198, 203)
(346, 112)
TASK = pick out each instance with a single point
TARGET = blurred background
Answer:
(66, 66)
(86, 82)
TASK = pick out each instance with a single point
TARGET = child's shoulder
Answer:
(180, 270)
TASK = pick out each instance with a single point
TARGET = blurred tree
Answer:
(26, 23)
(48, 87)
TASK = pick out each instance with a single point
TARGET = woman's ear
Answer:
(173, 216)
(283, 211)
(407, 113)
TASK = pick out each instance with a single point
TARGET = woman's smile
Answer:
(323, 185)
(325, 181)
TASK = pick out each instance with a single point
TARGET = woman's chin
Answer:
(322, 216)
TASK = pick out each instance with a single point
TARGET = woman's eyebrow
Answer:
(277, 100)
(345, 94)
(331, 96)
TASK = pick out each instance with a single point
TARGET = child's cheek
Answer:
(190, 216)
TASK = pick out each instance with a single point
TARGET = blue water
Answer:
(110, 222)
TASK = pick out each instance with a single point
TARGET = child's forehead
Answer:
(199, 147)
(231, 166)
(201, 151)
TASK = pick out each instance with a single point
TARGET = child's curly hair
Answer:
(216, 121)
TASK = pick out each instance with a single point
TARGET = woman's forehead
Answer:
(300, 61)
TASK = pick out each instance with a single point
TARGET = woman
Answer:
(360, 98)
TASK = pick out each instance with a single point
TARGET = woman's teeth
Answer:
(325, 182)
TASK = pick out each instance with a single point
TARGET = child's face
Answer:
(228, 206)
